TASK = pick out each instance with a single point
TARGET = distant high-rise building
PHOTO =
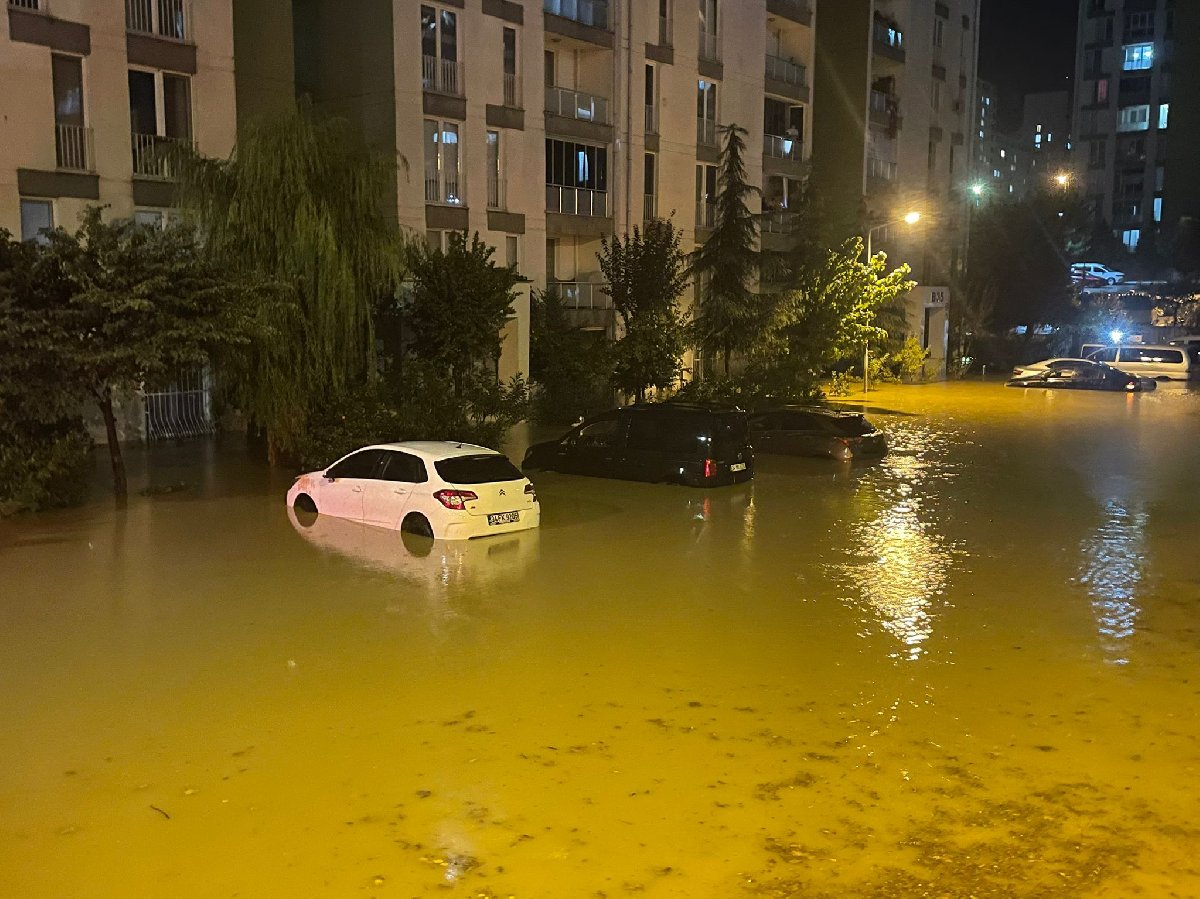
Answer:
(1134, 87)
(1045, 139)
(896, 131)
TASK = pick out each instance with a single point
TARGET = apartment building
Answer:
(546, 125)
(1127, 70)
(1045, 139)
(91, 89)
(896, 133)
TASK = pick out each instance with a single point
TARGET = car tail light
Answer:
(710, 468)
(530, 492)
(455, 499)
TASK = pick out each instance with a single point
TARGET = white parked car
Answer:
(1095, 273)
(449, 491)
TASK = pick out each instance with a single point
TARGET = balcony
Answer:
(512, 90)
(31, 5)
(443, 189)
(169, 19)
(885, 111)
(572, 104)
(777, 146)
(586, 303)
(73, 147)
(651, 119)
(576, 201)
(441, 76)
(706, 133)
(706, 215)
(151, 154)
(779, 221)
(888, 39)
(710, 46)
(497, 195)
(585, 12)
(785, 71)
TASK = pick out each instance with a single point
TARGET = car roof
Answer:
(815, 410)
(674, 406)
(433, 450)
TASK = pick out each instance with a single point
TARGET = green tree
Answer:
(565, 363)
(830, 312)
(727, 265)
(302, 204)
(127, 307)
(646, 274)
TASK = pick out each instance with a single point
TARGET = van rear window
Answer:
(480, 469)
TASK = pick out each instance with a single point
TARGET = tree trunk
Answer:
(726, 353)
(120, 484)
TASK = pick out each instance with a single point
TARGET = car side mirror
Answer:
(327, 476)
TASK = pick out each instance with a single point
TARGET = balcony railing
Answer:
(710, 46)
(587, 304)
(496, 193)
(576, 200)
(706, 132)
(585, 12)
(573, 104)
(151, 152)
(162, 18)
(779, 146)
(651, 119)
(779, 221)
(780, 69)
(649, 207)
(706, 214)
(441, 76)
(443, 189)
(73, 146)
(33, 5)
(512, 90)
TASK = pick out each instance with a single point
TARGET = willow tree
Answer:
(726, 265)
(301, 206)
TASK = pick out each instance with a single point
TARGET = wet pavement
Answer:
(968, 670)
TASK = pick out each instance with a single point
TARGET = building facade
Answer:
(895, 132)
(1125, 56)
(546, 125)
(92, 89)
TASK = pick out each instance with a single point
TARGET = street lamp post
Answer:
(910, 218)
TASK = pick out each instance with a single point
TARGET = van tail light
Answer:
(530, 492)
(710, 468)
(455, 499)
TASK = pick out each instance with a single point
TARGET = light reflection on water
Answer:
(1112, 571)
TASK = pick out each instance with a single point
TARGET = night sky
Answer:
(1026, 46)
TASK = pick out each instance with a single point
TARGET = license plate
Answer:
(504, 518)
(738, 466)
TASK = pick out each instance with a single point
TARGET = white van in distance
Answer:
(1162, 363)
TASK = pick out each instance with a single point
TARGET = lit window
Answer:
(1002, 152)
(1039, 128)
(1130, 238)
(1037, 140)
(1158, 209)
(1163, 109)
(1134, 118)
(1049, 137)
(1138, 57)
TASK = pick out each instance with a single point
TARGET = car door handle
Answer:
(358, 490)
(398, 490)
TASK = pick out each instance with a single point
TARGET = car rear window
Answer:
(852, 425)
(481, 469)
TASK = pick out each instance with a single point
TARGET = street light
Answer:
(1063, 179)
(910, 218)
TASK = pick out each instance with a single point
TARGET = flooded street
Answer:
(968, 670)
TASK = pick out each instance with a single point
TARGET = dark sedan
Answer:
(816, 431)
(1081, 374)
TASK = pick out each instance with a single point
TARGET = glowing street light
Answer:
(1115, 336)
(1063, 179)
(977, 189)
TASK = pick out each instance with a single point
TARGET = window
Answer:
(480, 469)
(1139, 24)
(601, 433)
(939, 31)
(706, 195)
(1130, 238)
(1102, 91)
(1098, 152)
(549, 67)
(782, 193)
(1163, 110)
(512, 251)
(1134, 118)
(495, 172)
(160, 109)
(1159, 173)
(439, 51)
(149, 218)
(706, 112)
(437, 241)
(70, 135)
(442, 163)
(362, 464)
(708, 18)
(1158, 209)
(1138, 57)
(573, 164)
(935, 93)
(512, 95)
(651, 100)
(36, 216)
(649, 179)
(403, 467)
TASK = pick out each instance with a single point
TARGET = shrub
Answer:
(43, 465)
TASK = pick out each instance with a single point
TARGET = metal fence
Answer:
(442, 76)
(512, 90)
(73, 147)
(779, 146)
(28, 4)
(183, 408)
(165, 18)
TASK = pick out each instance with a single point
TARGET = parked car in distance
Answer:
(1094, 271)
(449, 491)
(684, 443)
(1082, 374)
(1155, 361)
(816, 431)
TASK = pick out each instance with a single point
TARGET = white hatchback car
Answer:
(449, 491)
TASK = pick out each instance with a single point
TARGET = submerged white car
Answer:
(450, 491)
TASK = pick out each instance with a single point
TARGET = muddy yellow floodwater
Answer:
(968, 670)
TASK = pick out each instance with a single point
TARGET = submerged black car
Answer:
(1081, 375)
(816, 431)
(683, 443)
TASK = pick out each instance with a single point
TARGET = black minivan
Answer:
(683, 443)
